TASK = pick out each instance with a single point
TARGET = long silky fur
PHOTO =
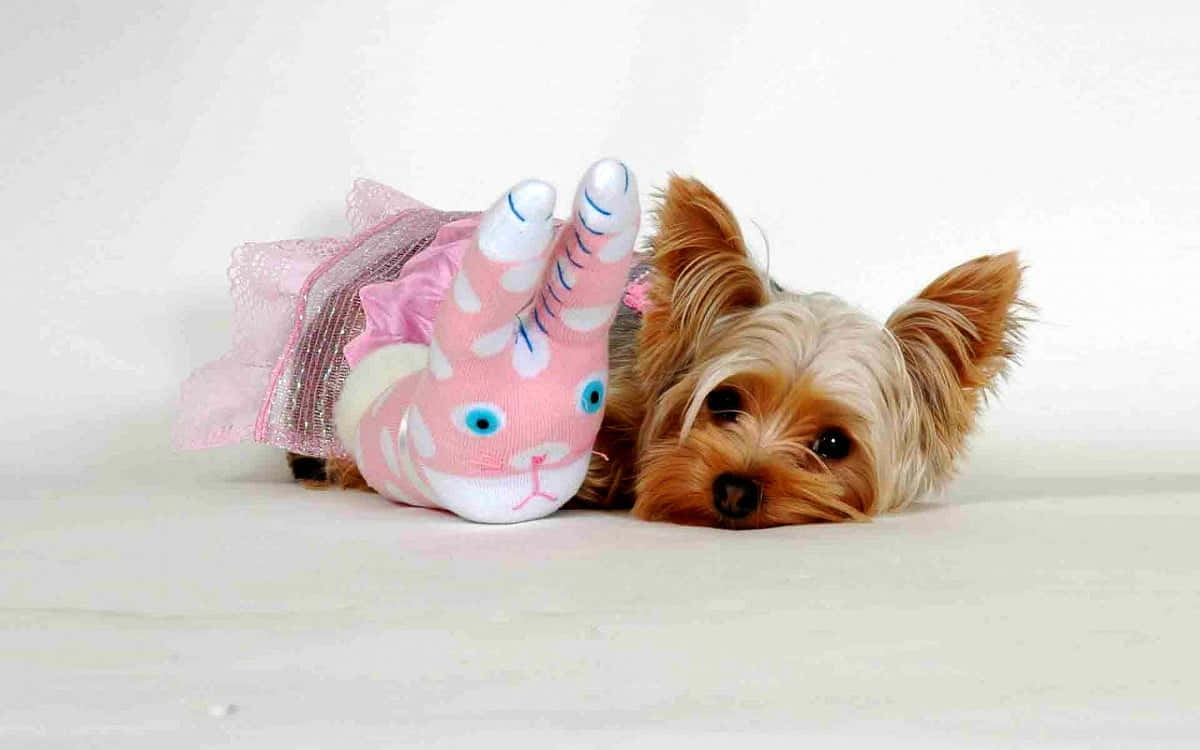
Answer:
(907, 392)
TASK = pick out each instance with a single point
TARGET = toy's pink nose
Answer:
(549, 452)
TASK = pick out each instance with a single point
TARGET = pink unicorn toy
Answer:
(495, 418)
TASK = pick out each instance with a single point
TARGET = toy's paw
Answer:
(519, 225)
(606, 210)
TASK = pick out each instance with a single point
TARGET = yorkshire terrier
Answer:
(734, 403)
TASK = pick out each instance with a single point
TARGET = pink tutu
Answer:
(296, 308)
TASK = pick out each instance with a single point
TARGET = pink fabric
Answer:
(279, 380)
(529, 358)
(403, 310)
(371, 203)
(296, 309)
(220, 402)
(637, 294)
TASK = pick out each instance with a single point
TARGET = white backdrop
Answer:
(155, 599)
(876, 145)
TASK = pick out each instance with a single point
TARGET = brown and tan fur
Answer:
(906, 393)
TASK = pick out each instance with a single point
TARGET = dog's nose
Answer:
(736, 496)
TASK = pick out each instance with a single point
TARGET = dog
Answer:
(734, 403)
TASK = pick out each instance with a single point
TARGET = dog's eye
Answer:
(724, 403)
(832, 444)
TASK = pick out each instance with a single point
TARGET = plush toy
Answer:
(495, 418)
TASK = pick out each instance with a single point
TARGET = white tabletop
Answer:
(259, 614)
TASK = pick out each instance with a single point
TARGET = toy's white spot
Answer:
(522, 278)
(551, 452)
(428, 497)
(618, 247)
(381, 399)
(587, 318)
(464, 296)
(517, 226)
(398, 449)
(438, 364)
(388, 447)
(493, 342)
(422, 440)
(531, 351)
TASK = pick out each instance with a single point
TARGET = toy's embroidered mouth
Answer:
(555, 484)
(535, 469)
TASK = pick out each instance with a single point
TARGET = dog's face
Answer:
(770, 408)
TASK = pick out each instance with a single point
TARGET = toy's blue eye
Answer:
(591, 398)
(479, 419)
(482, 421)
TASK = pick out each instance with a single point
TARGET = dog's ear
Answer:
(957, 337)
(701, 272)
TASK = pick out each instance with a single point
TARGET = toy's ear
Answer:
(590, 264)
(701, 271)
(958, 337)
(499, 272)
